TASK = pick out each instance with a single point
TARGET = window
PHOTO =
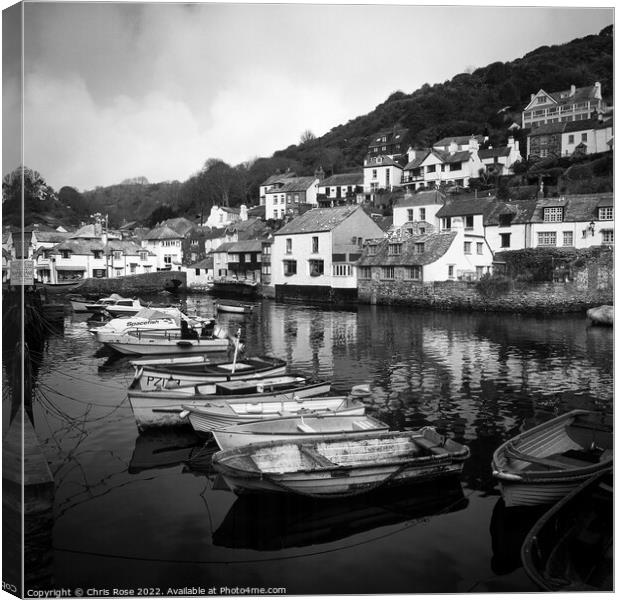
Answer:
(541, 99)
(374, 173)
(446, 223)
(504, 240)
(290, 267)
(317, 267)
(606, 213)
(467, 247)
(132, 268)
(479, 272)
(98, 273)
(168, 261)
(117, 255)
(98, 253)
(469, 222)
(364, 272)
(450, 271)
(546, 238)
(567, 238)
(289, 245)
(418, 248)
(267, 250)
(584, 137)
(430, 169)
(342, 270)
(197, 271)
(394, 249)
(64, 253)
(372, 250)
(143, 256)
(422, 214)
(315, 244)
(410, 214)
(296, 198)
(608, 236)
(571, 139)
(478, 247)
(455, 166)
(387, 272)
(553, 214)
(414, 273)
(266, 270)
(387, 178)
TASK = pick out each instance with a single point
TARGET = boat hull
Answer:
(161, 409)
(152, 377)
(543, 464)
(347, 464)
(294, 429)
(233, 308)
(153, 345)
(123, 311)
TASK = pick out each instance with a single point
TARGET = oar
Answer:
(236, 349)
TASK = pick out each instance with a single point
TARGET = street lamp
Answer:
(591, 227)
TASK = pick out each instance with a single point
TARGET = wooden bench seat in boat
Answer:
(362, 425)
(422, 442)
(556, 461)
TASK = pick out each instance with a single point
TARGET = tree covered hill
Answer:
(486, 100)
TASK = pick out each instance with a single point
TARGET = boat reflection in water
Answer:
(509, 527)
(277, 521)
(156, 449)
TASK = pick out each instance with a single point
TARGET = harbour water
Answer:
(145, 512)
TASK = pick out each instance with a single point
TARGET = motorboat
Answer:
(125, 307)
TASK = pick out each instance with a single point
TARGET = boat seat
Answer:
(316, 457)
(305, 428)
(362, 425)
(422, 442)
(512, 452)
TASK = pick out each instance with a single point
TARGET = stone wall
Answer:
(592, 285)
(129, 285)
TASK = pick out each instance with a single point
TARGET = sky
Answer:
(113, 91)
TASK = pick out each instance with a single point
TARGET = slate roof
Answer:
(577, 208)
(343, 179)
(179, 224)
(246, 246)
(569, 127)
(392, 135)
(205, 263)
(297, 184)
(162, 233)
(460, 140)
(446, 157)
(435, 246)
(80, 245)
(318, 219)
(52, 237)
(125, 246)
(582, 94)
(521, 209)
(421, 198)
(225, 247)
(385, 222)
(493, 152)
(417, 161)
(386, 161)
(278, 177)
(471, 206)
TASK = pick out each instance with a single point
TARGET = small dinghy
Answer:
(601, 315)
(570, 548)
(343, 465)
(547, 462)
(233, 307)
(292, 428)
(78, 303)
(226, 413)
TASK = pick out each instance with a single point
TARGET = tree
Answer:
(27, 186)
(307, 136)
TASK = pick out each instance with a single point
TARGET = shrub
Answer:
(491, 286)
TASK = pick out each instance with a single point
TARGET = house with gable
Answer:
(403, 262)
(569, 138)
(382, 172)
(507, 225)
(418, 211)
(165, 246)
(388, 142)
(199, 275)
(222, 216)
(500, 160)
(315, 254)
(285, 197)
(243, 260)
(179, 224)
(43, 241)
(574, 104)
(341, 188)
(274, 180)
(125, 257)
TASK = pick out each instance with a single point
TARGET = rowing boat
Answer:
(347, 464)
(545, 463)
(291, 428)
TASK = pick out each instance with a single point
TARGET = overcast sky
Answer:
(120, 90)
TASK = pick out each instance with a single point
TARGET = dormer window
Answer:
(394, 249)
(418, 247)
(143, 256)
(372, 250)
(117, 255)
(553, 214)
(98, 253)
(606, 213)
(541, 99)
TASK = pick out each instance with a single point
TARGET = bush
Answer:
(491, 286)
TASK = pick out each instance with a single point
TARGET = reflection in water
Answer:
(509, 527)
(276, 521)
(478, 378)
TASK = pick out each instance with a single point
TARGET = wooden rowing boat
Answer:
(571, 547)
(545, 463)
(164, 408)
(226, 413)
(149, 377)
(347, 464)
(233, 307)
(292, 428)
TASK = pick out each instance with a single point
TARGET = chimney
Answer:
(597, 91)
(572, 90)
(511, 141)
(243, 213)
(532, 96)
(319, 174)
(473, 143)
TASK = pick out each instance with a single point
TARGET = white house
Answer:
(165, 245)
(572, 221)
(406, 259)
(382, 172)
(274, 180)
(200, 274)
(316, 252)
(419, 210)
(574, 104)
(341, 188)
(500, 160)
(220, 260)
(43, 241)
(285, 196)
(452, 166)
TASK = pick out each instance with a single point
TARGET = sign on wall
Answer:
(22, 272)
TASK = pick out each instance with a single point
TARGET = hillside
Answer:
(487, 101)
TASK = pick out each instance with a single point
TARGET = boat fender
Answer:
(183, 414)
(507, 476)
(260, 388)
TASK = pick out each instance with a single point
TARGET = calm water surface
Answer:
(147, 511)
